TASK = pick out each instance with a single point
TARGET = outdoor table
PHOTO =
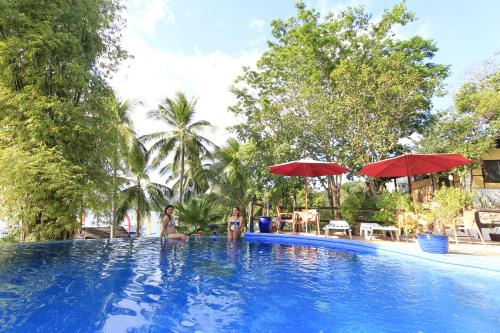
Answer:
(304, 216)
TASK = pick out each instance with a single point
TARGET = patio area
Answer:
(464, 246)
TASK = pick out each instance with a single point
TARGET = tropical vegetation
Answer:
(341, 87)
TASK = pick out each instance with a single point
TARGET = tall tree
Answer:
(54, 59)
(472, 124)
(125, 141)
(142, 195)
(233, 180)
(184, 140)
(341, 89)
(196, 177)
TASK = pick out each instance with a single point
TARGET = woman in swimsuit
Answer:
(234, 224)
(168, 225)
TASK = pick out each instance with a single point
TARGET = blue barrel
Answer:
(433, 243)
(265, 224)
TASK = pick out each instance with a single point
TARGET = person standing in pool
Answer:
(168, 225)
(234, 224)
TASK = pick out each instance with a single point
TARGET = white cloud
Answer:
(221, 23)
(154, 74)
(416, 28)
(256, 23)
(260, 41)
(144, 16)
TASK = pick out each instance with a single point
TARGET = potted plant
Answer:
(447, 204)
(432, 242)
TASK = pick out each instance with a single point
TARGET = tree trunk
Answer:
(329, 192)
(113, 205)
(23, 234)
(372, 188)
(181, 180)
(338, 213)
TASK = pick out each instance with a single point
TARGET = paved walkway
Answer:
(489, 248)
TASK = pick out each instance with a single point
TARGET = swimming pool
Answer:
(215, 286)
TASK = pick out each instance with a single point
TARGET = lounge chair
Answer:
(368, 229)
(338, 225)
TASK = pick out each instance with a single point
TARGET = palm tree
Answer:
(196, 177)
(184, 140)
(233, 180)
(142, 195)
(125, 137)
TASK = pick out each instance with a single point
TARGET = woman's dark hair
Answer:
(168, 208)
(237, 208)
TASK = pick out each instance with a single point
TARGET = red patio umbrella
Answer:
(307, 168)
(413, 165)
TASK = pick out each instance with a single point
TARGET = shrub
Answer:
(353, 198)
(197, 215)
(449, 202)
(388, 203)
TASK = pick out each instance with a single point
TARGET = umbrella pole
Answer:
(395, 185)
(306, 192)
(433, 185)
(409, 183)
(408, 174)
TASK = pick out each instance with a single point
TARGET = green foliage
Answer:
(353, 196)
(233, 179)
(41, 193)
(471, 126)
(447, 204)
(125, 141)
(450, 201)
(184, 141)
(198, 215)
(315, 199)
(55, 113)
(341, 89)
(141, 194)
(408, 222)
(388, 203)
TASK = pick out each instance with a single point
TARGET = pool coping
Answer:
(489, 264)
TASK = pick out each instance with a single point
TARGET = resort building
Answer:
(485, 179)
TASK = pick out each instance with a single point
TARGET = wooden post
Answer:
(477, 221)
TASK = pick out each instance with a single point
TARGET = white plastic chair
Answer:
(368, 229)
(338, 225)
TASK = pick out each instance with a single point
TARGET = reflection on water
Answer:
(210, 286)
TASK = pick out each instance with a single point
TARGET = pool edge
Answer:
(488, 264)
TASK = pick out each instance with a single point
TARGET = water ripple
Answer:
(205, 286)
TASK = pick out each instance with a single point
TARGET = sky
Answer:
(199, 47)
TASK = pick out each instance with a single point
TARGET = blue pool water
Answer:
(218, 286)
